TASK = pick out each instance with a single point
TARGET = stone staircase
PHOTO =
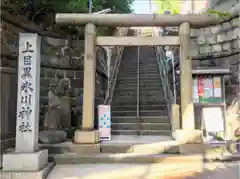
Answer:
(152, 118)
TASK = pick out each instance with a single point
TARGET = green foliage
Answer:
(43, 11)
(174, 6)
(218, 13)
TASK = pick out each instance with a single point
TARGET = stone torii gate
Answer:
(87, 134)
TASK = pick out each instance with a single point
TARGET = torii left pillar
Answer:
(87, 134)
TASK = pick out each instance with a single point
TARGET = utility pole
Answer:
(192, 6)
(150, 6)
(89, 6)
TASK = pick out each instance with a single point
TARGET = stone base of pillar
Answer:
(42, 174)
(25, 162)
(86, 137)
(189, 136)
(175, 124)
(190, 141)
(192, 149)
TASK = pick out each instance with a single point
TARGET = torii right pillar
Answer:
(187, 134)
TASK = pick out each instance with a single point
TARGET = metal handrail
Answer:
(168, 90)
(163, 65)
(114, 72)
(138, 84)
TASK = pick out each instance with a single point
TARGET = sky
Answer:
(142, 6)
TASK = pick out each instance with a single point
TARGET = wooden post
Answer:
(88, 134)
(186, 83)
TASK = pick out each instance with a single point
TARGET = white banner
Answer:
(104, 121)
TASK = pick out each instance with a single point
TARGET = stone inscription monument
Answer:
(27, 156)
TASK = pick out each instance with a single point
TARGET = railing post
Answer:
(109, 55)
(87, 134)
(187, 109)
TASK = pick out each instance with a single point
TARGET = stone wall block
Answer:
(216, 48)
(205, 31)
(48, 49)
(229, 35)
(44, 82)
(236, 22)
(205, 49)
(77, 91)
(194, 48)
(69, 74)
(55, 42)
(226, 25)
(77, 52)
(227, 46)
(79, 74)
(211, 39)
(215, 29)
(221, 37)
(44, 100)
(44, 91)
(195, 32)
(201, 40)
(76, 83)
(50, 73)
(42, 73)
(236, 33)
(236, 44)
(77, 62)
(64, 62)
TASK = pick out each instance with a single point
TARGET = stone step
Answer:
(134, 102)
(140, 126)
(141, 113)
(141, 80)
(133, 70)
(142, 92)
(142, 96)
(69, 147)
(131, 85)
(116, 147)
(142, 132)
(148, 61)
(123, 148)
(94, 149)
(154, 79)
(144, 119)
(145, 76)
(142, 61)
(142, 99)
(141, 88)
(134, 107)
(142, 66)
(109, 158)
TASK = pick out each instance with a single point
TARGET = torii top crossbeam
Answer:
(130, 20)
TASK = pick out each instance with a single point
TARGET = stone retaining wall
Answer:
(217, 40)
(219, 46)
(56, 57)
